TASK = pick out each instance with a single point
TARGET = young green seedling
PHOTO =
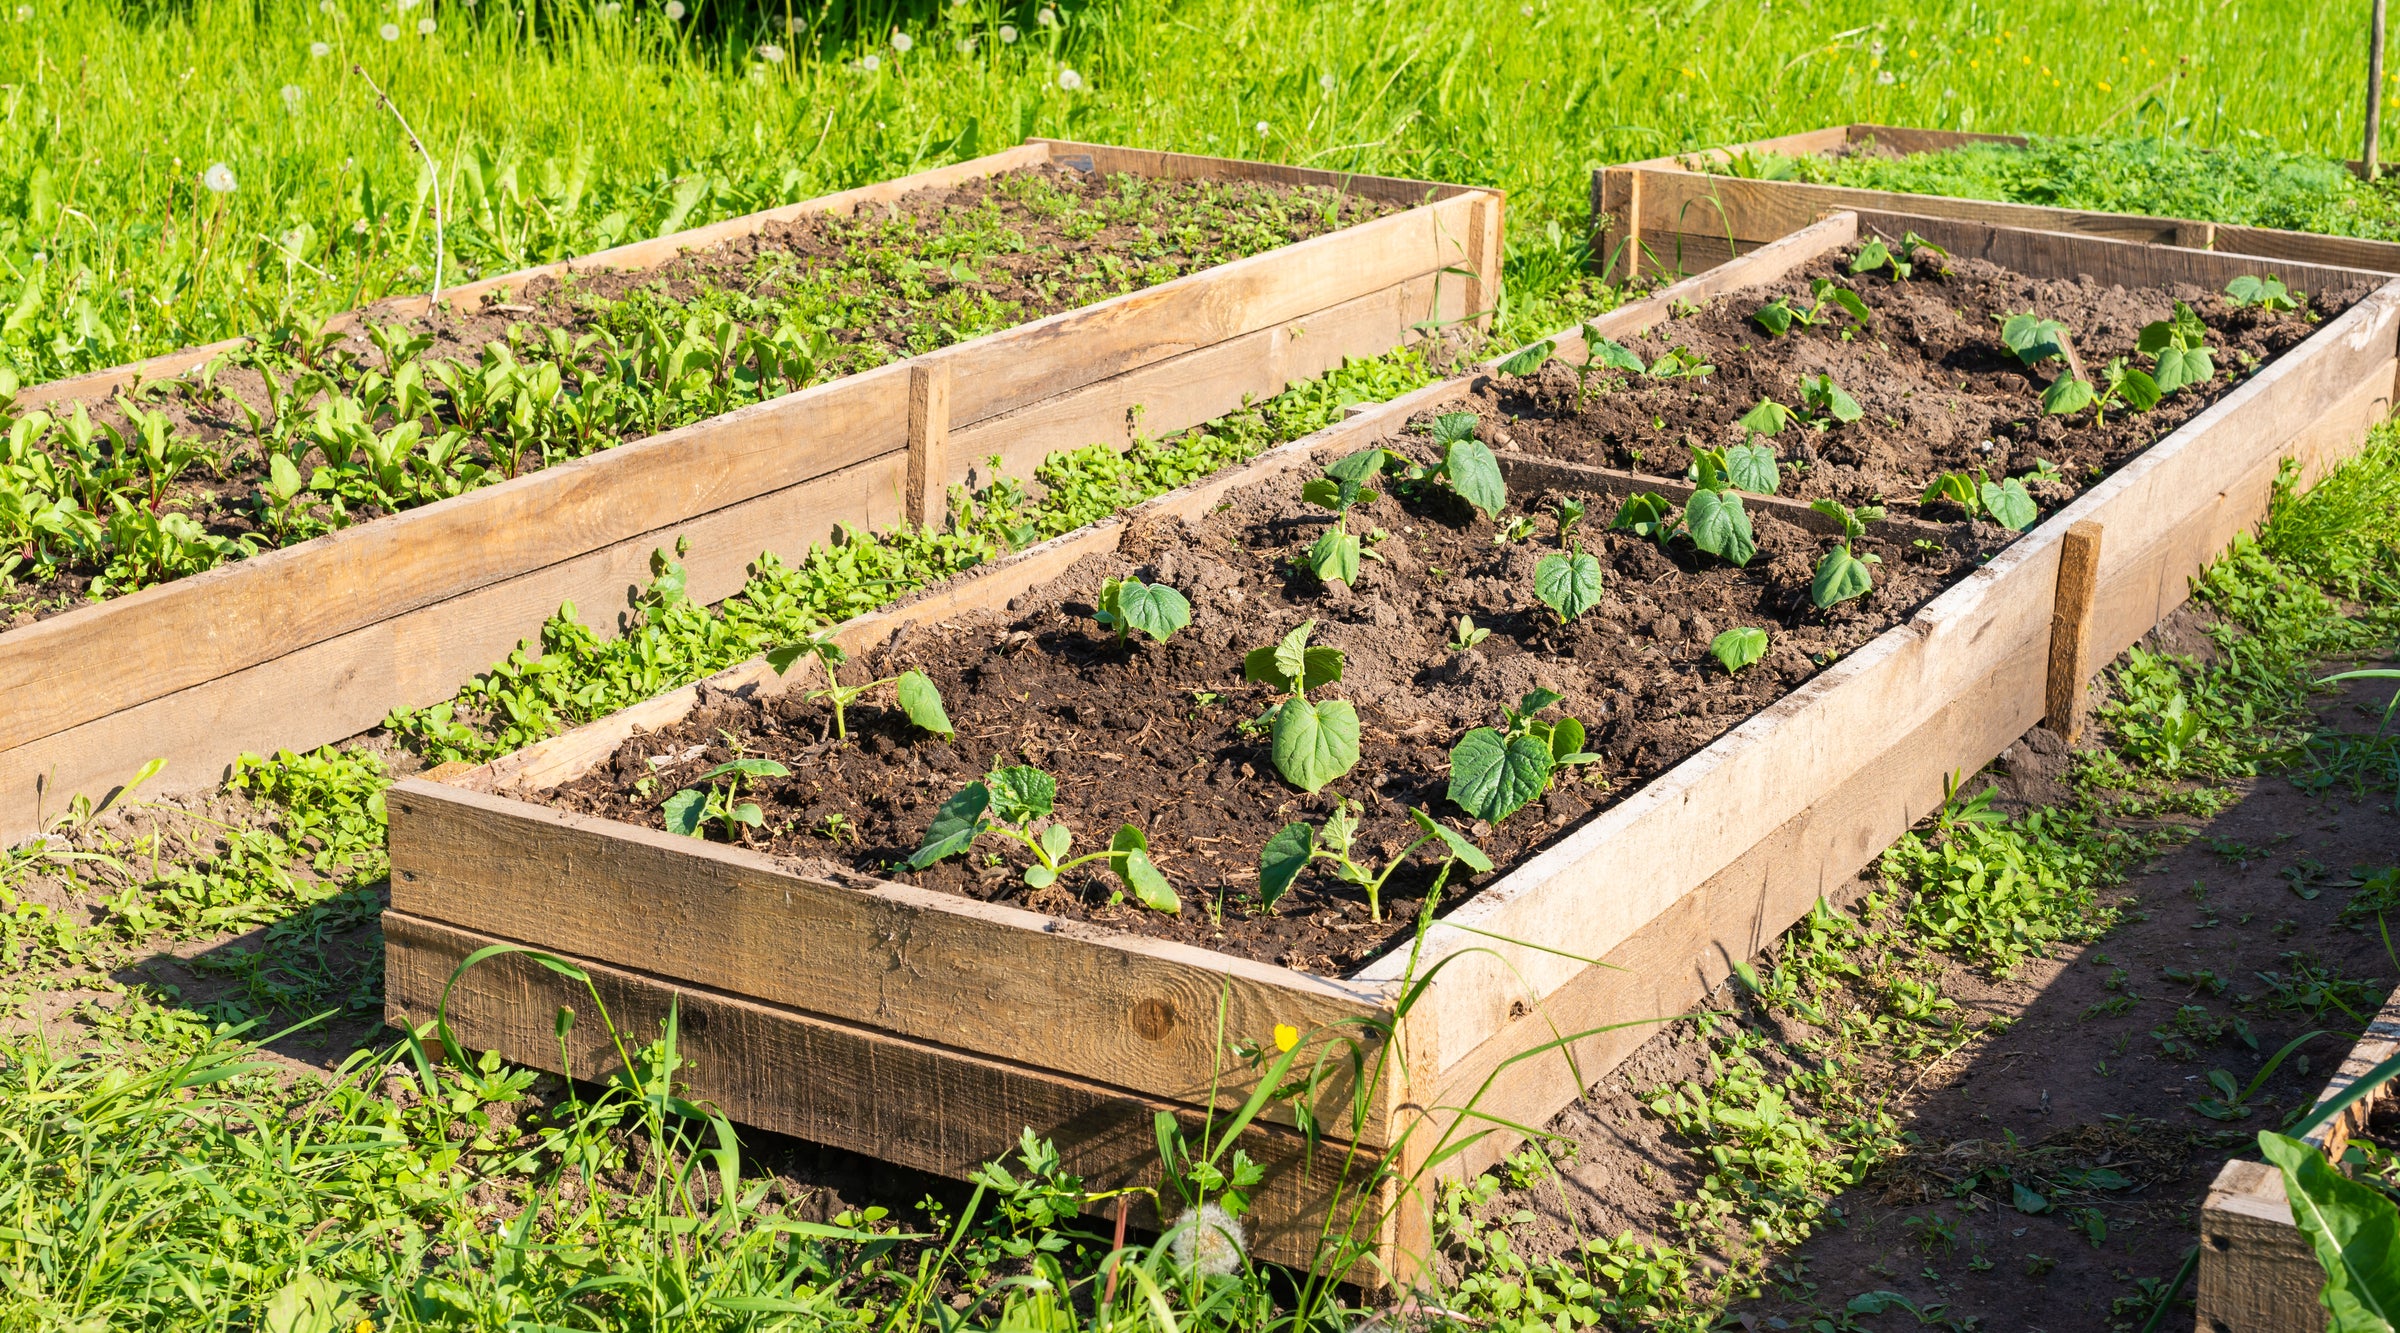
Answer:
(1314, 741)
(1467, 464)
(1495, 772)
(1469, 634)
(1876, 254)
(1679, 363)
(2267, 293)
(2006, 502)
(1821, 398)
(1153, 608)
(1526, 360)
(1568, 582)
(1780, 316)
(917, 695)
(1713, 517)
(2178, 347)
(1570, 513)
(2122, 385)
(1007, 802)
(2032, 339)
(1335, 556)
(1295, 845)
(1739, 647)
(1601, 352)
(688, 810)
(1645, 514)
(1842, 574)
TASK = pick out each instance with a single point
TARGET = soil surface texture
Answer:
(1938, 390)
(1154, 734)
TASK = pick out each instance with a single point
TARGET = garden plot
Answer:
(992, 986)
(1681, 214)
(444, 486)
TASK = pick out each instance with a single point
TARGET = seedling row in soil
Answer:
(306, 430)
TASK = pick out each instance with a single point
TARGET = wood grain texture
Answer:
(2256, 1271)
(920, 1104)
(928, 440)
(1189, 166)
(2071, 662)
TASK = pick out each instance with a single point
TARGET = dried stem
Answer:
(383, 99)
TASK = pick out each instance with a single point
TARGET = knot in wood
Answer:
(1154, 1018)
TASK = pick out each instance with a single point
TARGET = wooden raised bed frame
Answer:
(930, 1029)
(1668, 216)
(2257, 1272)
(318, 641)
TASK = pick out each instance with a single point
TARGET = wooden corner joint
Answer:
(2071, 649)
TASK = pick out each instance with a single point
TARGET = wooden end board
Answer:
(199, 670)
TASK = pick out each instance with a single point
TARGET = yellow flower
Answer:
(1974, 64)
(2026, 59)
(2104, 85)
(1286, 1036)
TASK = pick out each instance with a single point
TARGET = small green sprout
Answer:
(1568, 582)
(2032, 339)
(1877, 254)
(2178, 347)
(1314, 741)
(689, 810)
(1469, 635)
(2005, 502)
(1155, 609)
(916, 693)
(1780, 315)
(1823, 399)
(1007, 802)
(1335, 556)
(1295, 845)
(1739, 647)
(1843, 574)
(1570, 513)
(1496, 772)
(2267, 293)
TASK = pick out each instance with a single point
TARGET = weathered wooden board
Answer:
(1664, 195)
(310, 644)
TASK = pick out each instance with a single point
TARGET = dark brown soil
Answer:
(1153, 736)
(881, 284)
(1939, 391)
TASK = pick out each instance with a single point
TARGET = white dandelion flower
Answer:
(1526, 10)
(389, 32)
(1886, 76)
(24, 13)
(1326, 82)
(424, 27)
(1208, 1240)
(291, 98)
(966, 45)
(869, 63)
(218, 178)
(319, 50)
(1262, 129)
(1008, 33)
(1875, 49)
(675, 11)
(406, 5)
(901, 41)
(1070, 80)
(1048, 18)
(325, 6)
(771, 53)
(610, 9)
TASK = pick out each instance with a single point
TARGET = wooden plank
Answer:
(2256, 1271)
(922, 1105)
(1153, 1016)
(2071, 662)
(2124, 262)
(1188, 166)
(928, 441)
(1483, 258)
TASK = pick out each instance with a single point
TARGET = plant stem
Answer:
(433, 302)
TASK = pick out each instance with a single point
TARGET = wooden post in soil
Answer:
(2374, 90)
(2071, 629)
(928, 441)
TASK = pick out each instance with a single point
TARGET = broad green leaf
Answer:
(1056, 840)
(954, 826)
(1615, 355)
(1460, 848)
(1849, 301)
(1568, 583)
(684, 811)
(1775, 316)
(1955, 487)
(1752, 467)
(1150, 888)
(1153, 608)
(1315, 741)
(922, 701)
(1335, 556)
(1039, 876)
(283, 479)
(2353, 1229)
(750, 768)
(1323, 492)
(2179, 367)
(2067, 395)
(1566, 740)
(1528, 360)
(1871, 256)
(1283, 858)
(2009, 504)
(1720, 526)
(1830, 398)
(1492, 778)
(1766, 419)
(1127, 839)
(1021, 792)
(1322, 667)
(1644, 514)
(1451, 427)
(1739, 647)
(748, 813)
(2139, 391)
(1475, 475)
(1537, 699)
(2032, 339)
(1359, 467)
(1840, 577)
(1291, 654)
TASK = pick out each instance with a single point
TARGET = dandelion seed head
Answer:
(1070, 80)
(389, 32)
(610, 9)
(1262, 129)
(869, 63)
(1526, 10)
(218, 178)
(326, 7)
(24, 13)
(1048, 18)
(1875, 48)
(1008, 32)
(424, 27)
(406, 5)
(966, 45)
(1208, 1240)
(1886, 76)
(1325, 81)
(319, 50)
(901, 41)
(675, 11)
(291, 98)
(771, 53)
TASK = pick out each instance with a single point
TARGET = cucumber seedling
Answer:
(1843, 574)
(2122, 385)
(1295, 845)
(1823, 400)
(2267, 293)
(1602, 353)
(1713, 517)
(1155, 609)
(1568, 582)
(1781, 316)
(1679, 363)
(1313, 741)
(1495, 772)
(1739, 647)
(689, 811)
(2031, 339)
(1007, 802)
(1645, 514)
(918, 697)
(1876, 254)
(2005, 502)
(1467, 465)
(2178, 348)
(1469, 635)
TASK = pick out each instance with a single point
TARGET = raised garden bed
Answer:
(1682, 214)
(930, 1021)
(2256, 1270)
(317, 640)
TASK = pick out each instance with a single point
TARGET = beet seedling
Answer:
(1007, 802)
(2005, 502)
(1739, 647)
(917, 695)
(1780, 316)
(1568, 582)
(1496, 772)
(2178, 347)
(1295, 845)
(1313, 741)
(690, 809)
(1155, 609)
(2267, 293)
(1842, 574)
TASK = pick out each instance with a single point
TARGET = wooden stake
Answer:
(2071, 629)
(928, 441)
(2374, 90)
(1483, 252)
